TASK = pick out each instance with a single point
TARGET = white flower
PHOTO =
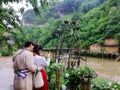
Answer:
(85, 79)
(63, 87)
(113, 89)
(66, 75)
(118, 82)
(110, 83)
(115, 86)
(11, 42)
(9, 26)
(17, 23)
(91, 85)
(4, 21)
(78, 72)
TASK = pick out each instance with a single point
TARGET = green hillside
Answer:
(102, 22)
(82, 26)
(94, 26)
(60, 9)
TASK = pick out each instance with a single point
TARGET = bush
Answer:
(100, 84)
(72, 79)
(115, 86)
(103, 84)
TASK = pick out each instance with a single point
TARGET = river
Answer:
(108, 69)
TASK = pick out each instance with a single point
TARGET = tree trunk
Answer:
(85, 86)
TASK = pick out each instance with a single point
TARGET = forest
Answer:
(76, 22)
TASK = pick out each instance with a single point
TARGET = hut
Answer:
(95, 48)
(111, 45)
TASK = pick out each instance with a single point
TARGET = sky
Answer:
(17, 6)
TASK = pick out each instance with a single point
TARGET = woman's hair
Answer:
(37, 49)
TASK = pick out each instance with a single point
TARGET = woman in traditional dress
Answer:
(42, 61)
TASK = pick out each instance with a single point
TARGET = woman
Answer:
(42, 61)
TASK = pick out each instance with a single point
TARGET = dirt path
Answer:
(6, 73)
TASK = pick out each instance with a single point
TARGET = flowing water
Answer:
(108, 69)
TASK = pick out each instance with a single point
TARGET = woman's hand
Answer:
(47, 56)
(40, 68)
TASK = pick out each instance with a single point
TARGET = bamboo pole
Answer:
(58, 79)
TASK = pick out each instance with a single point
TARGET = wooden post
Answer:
(58, 79)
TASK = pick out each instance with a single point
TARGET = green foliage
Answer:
(36, 20)
(95, 22)
(51, 73)
(81, 75)
(104, 84)
(60, 9)
(57, 66)
(51, 44)
(86, 72)
(117, 36)
(45, 35)
(9, 25)
(100, 84)
(7, 50)
(115, 86)
(72, 79)
(107, 26)
(2, 28)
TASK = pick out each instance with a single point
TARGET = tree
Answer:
(10, 24)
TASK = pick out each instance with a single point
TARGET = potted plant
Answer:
(86, 74)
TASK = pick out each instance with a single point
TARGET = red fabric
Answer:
(45, 87)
